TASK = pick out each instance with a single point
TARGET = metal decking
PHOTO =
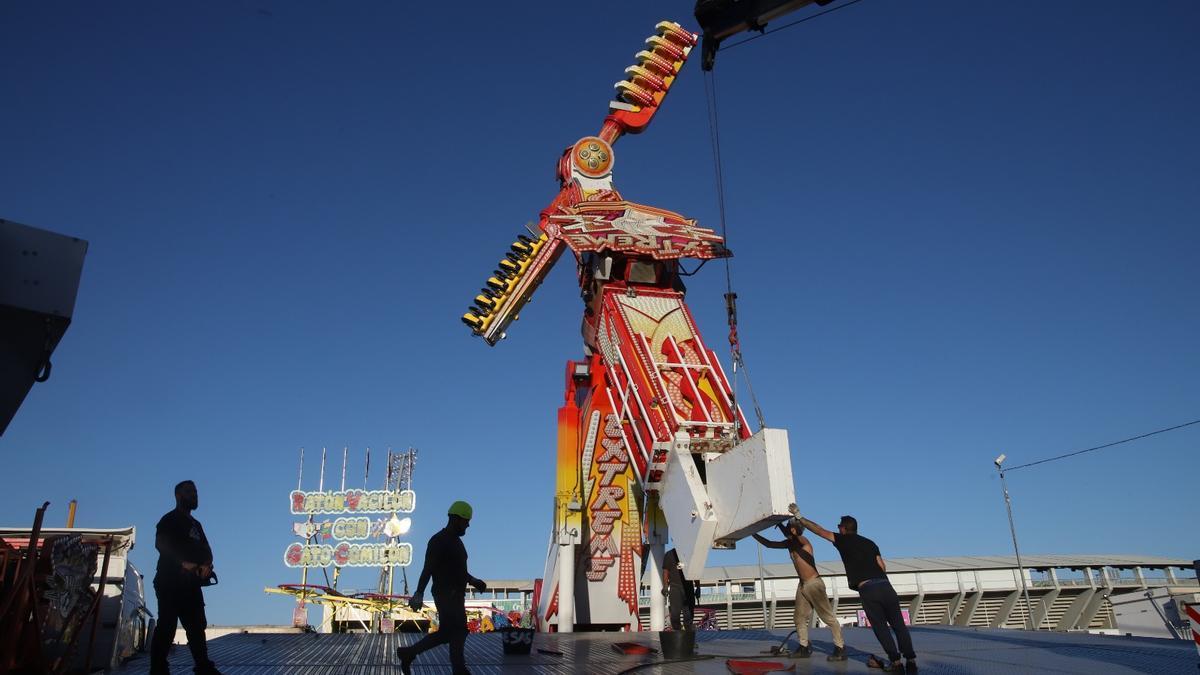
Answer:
(940, 650)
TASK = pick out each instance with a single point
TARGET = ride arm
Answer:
(641, 93)
(511, 285)
(526, 265)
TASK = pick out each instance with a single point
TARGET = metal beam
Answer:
(1042, 609)
(774, 604)
(915, 605)
(729, 605)
(1071, 616)
(964, 618)
(658, 609)
(952, 608)
(956, 601)
(1094, 605)
(1005, 610)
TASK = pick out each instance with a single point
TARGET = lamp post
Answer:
(999, 461)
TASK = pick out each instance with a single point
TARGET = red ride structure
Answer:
(650, 437)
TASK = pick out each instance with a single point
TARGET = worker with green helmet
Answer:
(446, 564)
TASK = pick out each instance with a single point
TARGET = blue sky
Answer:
(960, 229)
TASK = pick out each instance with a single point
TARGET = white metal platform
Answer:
(940, 650)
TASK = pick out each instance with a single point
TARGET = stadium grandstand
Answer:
(1066, 592)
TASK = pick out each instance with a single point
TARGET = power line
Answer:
(789, 25)
(1101, 447)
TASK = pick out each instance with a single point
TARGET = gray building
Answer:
(1066, 592)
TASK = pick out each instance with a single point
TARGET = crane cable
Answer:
(735, 346)
(710, 93)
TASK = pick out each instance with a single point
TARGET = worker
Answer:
(446, 563)
(185, 565)
(681, 594)
(810, 592)
(867, 573)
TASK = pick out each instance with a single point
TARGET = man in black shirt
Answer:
(681, 596)
(185, 563)
(867, 573)
(446, 562)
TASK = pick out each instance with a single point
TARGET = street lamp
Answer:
(1012, 528)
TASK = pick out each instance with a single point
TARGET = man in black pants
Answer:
(681, 596)
(184, 565)
(446, 562)
(867, 573)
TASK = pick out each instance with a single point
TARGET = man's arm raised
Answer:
(767, 542)
(816, 529)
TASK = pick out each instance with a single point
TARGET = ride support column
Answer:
(658, 602)
(566, 584)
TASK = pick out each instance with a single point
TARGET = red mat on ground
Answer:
(755, 667)
(633, 648)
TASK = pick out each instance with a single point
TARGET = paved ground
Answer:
(940, 650)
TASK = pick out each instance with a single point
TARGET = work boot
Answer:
(406, 659)
(803, 652)
(896, 666)
(839, 654)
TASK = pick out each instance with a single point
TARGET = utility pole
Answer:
(1013, 528)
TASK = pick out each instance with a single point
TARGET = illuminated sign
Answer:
(353, 501)
(633, 228)
(603, 550)
(353, 528)
(342, 528)
(345, 554)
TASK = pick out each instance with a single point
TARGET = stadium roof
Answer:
(930, 564)
(958, 563)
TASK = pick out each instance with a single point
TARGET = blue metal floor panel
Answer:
(940, 651)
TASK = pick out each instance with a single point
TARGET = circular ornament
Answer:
(592, 156)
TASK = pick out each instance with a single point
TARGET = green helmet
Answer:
(461, 509)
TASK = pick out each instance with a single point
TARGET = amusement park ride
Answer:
(651, 440)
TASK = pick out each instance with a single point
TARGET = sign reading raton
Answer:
(353, 501)
(353, 526)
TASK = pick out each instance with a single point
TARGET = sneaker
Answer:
(839, 654)
(803, 652)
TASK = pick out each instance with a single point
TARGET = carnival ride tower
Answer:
(650, 438)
